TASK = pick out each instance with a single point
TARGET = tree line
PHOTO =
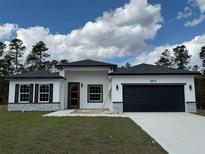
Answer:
(12, 62)
(179, 58)
(11, 58)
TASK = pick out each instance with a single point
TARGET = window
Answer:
(95, 93)
(24, 93)
(44, 93)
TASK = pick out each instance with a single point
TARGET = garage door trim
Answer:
(153, 84)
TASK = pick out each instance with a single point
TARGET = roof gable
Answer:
(87, 63)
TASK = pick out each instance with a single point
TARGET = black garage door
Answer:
(153, 98)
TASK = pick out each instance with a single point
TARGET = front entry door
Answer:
(73, 95)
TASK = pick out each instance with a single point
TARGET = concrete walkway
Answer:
(62, 113)
(178, 133)
(83, 113)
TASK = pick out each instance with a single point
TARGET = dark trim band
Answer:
(36, 103)
(63, 66)
(191, 102)
(121, 74)
(36, 78)
(117, 102)
(153, 84)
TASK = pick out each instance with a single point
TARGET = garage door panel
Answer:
(153, 98)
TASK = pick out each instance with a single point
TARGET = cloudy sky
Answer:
(116, 31)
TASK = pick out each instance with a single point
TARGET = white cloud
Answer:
(6, 30)
(194, 47)
(185, 14)
(200, 4)
(116, 33)
(195, 21)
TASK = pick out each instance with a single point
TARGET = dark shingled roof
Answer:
(37, 74)
(87, 63)
(147, 69)
(142, 69)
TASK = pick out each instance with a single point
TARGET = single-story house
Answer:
(90, 84)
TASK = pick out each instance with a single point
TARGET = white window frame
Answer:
(39, 93)
(24, 93)
(101, 94)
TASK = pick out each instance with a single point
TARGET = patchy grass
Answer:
(30, 133)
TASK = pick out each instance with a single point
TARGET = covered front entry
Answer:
(153, 98)
(73, 95)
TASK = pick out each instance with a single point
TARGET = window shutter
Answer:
(16, 93)
(51, 93)
(36, 93)
(31, 94)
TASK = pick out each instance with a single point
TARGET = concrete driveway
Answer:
(178, 133)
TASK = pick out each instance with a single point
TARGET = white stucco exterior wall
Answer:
(86, 77)
(100, 76)
(56, 87)
(62, 94)
(117, 95)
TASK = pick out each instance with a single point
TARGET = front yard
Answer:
(30, 133)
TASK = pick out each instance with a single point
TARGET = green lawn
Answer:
(30, 133)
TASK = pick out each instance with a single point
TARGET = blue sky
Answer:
(173, 31)
(64, 16)
(61, 16)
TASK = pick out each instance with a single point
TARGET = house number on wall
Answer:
(152, 81)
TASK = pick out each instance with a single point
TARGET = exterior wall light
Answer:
(117, 87)
(190, 87)
(81, 85)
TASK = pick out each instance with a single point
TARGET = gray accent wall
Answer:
(34, 107)
(191, 107)
(117, 107)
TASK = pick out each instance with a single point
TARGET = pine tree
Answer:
(127, 65)
(37, 59)
(181, 57)
(52, 65)
(202, 56)
(195, 68)
(166, 59)
(16, 49)
(2, 48)
(63, 61)
(2, 60)
(6, 65)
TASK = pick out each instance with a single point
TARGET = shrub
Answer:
(200, 92)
